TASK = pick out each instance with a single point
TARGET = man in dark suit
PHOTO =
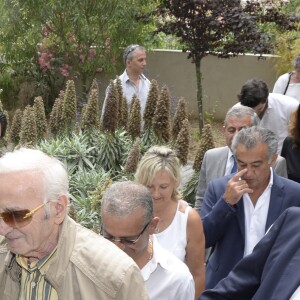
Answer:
(271, 271)
(218, 162)
(238, 209)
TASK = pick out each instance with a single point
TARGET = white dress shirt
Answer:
(130, 88)
(293, 89)
(256, 217)
(296, 294)
(277, 116)
(166, 277)
(230, 162)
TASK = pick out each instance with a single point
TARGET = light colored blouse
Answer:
(174, 238)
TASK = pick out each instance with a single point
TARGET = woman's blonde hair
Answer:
(158, 158)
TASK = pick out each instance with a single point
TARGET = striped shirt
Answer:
(34, 286)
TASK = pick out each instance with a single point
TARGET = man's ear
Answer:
(60, 209)
(274, 158)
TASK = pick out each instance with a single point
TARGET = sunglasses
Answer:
(19, 218)
(123, 240)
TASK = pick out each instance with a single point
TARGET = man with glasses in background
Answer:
(134, 82)
(127, 221)
(44, 254)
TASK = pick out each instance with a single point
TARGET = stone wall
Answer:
(222, 78)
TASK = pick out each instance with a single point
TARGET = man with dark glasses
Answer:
(127, 221)
(134, 82)
(44, 254)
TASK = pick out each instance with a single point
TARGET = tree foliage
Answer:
(287, 43)
(224, 28)
(71, 39)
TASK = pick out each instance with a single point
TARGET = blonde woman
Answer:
(179, 229)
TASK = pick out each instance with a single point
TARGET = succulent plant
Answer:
(161, 119)
(110, 114)
(206, 143)
(183, 142)
(40, 117)
(15, 129)
(133, 158)
(134, 123)
(180, 116)
(123, 122)
(120, 98)
(151, 103)
(53, 120)
(90, 113)
(94, 86)
(28, 133)
(69, 108)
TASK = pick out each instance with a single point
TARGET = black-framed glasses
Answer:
(19, 218)
(129, 50)
(123, 240)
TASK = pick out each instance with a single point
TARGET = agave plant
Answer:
(113, 149)
(190, 188)
(86, 191)
(73, 151)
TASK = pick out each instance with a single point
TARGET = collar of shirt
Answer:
(256, 217)
(158, 258)
(126, 77)
(40, 265)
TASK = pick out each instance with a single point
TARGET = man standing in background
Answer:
(134, 82)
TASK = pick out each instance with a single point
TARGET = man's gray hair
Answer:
(53, 172)
(123, 198)
(128, 52)
(253, 136)
(241, 111)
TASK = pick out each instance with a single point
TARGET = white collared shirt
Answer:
(256, 217)
(129, 89)
(296, 294)
(277, 116)
(229, 163)
(167, 277)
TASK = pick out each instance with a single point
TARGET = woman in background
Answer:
(179, 229)
(289, 83)
(291, 147)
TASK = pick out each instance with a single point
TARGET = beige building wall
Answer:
(222, 78)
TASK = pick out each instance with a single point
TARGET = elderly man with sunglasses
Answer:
(134, 82)
(127, 216)
(44, 254)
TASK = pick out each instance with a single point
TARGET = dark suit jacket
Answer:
(271, 271)
(214, 165)
(224, 225)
